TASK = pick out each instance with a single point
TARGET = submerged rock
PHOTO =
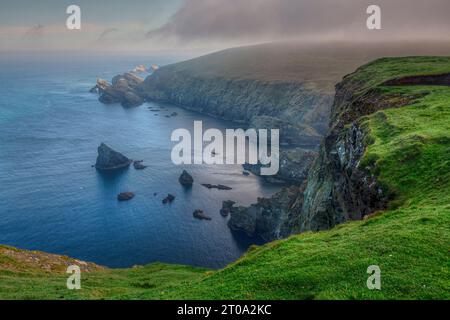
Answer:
(109, 159)
(168, 199)
(219, 186)
(125, 196)
(138, 165)
(186, 179)
(199, 214)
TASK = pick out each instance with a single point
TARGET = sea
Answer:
(53, 200)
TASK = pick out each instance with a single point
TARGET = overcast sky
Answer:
(155, 24)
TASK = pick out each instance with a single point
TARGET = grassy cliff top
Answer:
(410, 147)
(321, 66)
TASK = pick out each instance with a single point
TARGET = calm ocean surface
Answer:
(51, 199)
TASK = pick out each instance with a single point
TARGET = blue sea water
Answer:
(51, 199)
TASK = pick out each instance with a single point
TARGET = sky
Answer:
(112, 25)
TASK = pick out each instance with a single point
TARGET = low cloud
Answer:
(107, 33)
(34, 32)
(257, 20)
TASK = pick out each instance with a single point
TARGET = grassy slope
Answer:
(410, 241)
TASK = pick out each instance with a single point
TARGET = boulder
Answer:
(109, 159)
(186, 179)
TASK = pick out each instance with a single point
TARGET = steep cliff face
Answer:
(342, 183)
(258, 103)
(337, 188)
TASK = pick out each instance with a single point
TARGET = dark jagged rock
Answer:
(109, 159)
(186, 179)
(294, 166)
(269, 219)
(125, 196)
(199, 214)
(169, 199)
(226, 208)
(138, 165)
(219, 186)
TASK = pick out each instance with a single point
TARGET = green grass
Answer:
(410, 147)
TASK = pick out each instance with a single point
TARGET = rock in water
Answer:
(226, 208)
(125, 196)
(199, 214)
(124, 89)
(138, 165)
(213, 186)
(108, 159)
(168, 199)
(186, 179)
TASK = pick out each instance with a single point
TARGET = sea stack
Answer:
(109, 159)
(186, 179)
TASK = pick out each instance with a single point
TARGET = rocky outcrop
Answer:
(109, 159)
(124, 89)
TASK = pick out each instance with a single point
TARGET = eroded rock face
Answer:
(299, 109)
(338, 188)
(294, 166)
(109, 159)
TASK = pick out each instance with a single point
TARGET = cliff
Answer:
(342, 183)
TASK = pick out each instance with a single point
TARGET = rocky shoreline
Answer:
(324, 177)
